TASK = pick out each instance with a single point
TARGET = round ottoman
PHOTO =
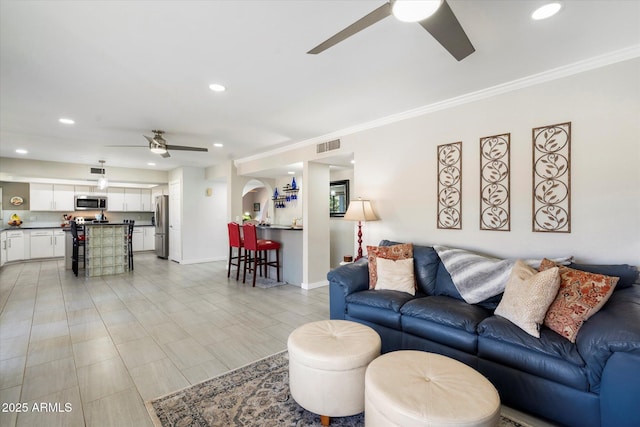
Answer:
(414, 388)
(327, 363)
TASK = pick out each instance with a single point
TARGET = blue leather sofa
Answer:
(592, 382)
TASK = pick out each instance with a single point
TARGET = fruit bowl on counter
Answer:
(15, 222)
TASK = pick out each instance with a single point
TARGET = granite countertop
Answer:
(279, 227)
(60, 226)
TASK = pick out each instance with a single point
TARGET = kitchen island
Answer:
(290, 239)
(107, 248)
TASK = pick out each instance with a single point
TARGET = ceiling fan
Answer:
(435, 16)
(158, 145)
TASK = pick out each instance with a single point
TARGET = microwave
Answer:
(90, 203)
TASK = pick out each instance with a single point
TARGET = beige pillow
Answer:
(528, 295)
(396, 275)
(400, 251)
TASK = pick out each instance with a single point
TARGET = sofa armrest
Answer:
(344, 281)
(620, 391)
(614, 329)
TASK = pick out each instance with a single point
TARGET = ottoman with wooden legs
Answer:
(327, 363)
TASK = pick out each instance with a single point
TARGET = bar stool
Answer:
(78, 244)
(235, 241)
(131, 223)
(258, 248)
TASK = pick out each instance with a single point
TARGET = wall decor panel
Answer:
(552, 178)
(495, 171)
(450, 186)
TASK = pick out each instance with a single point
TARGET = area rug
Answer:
(264, 282)
(256, 395)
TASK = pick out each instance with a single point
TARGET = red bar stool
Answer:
(256, 250)
(235, 241)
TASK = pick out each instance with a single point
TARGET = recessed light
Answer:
(216, 87)
(21, 151)
(546, 11)
(353, 162)
(66, 121)
(291, 173)
(151, 164)
(218, 145)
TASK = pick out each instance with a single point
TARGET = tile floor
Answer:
(102, 346)
(92, 351)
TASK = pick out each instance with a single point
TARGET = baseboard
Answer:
(200, 261)
(314, 285)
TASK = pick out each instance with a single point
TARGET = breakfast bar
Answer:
(290, 239)
(106, 246)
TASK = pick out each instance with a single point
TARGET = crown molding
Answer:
(613, 57)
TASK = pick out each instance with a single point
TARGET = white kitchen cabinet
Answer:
(129, 200)
(149, 238)
(138, 239)
(51, 197)
(58, 243)
(15, 245)
(132, 201)
(41, 243)
(3, 248)
(146, 202)
(46, 243)
(115, 202)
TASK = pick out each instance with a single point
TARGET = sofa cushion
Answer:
(581, 295)
(386, 299)
(393, 252)
(396, 275)
(446, 311)
(550, 356)
(628, 274)
(527, 296)
(425, 266)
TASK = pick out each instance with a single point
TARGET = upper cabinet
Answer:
(129, 200)
(51, 197)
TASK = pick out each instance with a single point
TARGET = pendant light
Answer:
(103, 182)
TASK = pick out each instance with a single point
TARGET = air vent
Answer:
(328, 146)
(99, 171)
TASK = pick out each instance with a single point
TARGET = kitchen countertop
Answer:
(278, 227)
(58, 227)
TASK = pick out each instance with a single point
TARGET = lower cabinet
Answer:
(15, 245)
(47, 243)
(149, 238)
(138, 239)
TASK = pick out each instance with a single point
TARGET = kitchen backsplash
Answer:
(55, 219)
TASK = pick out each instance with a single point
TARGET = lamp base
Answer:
(359, 241)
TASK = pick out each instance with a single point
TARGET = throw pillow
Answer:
(395, 252)
(396, 275)
(581, 295)
(527, 296)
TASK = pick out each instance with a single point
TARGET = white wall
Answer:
(342, 232)
(396, 168)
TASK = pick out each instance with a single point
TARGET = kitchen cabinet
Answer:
(47, 243)
(82, 190)
(15, 245)
(51, 197)
(138, 239)
(3, 248)
(149, 238)
(129, 200)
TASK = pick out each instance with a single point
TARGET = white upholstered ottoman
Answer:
(415, 388)
(327, 363)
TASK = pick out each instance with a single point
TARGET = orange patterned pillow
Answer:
(395, 252)
(580, 296)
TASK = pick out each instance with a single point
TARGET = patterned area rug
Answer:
(256, 395)
(263, 282)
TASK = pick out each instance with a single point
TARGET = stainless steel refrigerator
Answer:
(162, 226)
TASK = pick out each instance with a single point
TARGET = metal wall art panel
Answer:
(495, 181)
(552, 178)
(450, 186)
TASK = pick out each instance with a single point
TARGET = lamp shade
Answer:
(360, 210)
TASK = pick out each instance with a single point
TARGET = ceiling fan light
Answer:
(546, 11)
(414, 10)
(158, 149)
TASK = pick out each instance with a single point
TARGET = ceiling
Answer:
(121, 69)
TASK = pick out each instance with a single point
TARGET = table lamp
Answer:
(360, 210)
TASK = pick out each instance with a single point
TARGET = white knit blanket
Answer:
(478, 277)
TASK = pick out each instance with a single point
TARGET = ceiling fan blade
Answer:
(135, 146)
(445, 28)
(149, 138)
(370, 19)
(185, 148)
(165, 154)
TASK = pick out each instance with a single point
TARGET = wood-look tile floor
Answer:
(94, 350)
